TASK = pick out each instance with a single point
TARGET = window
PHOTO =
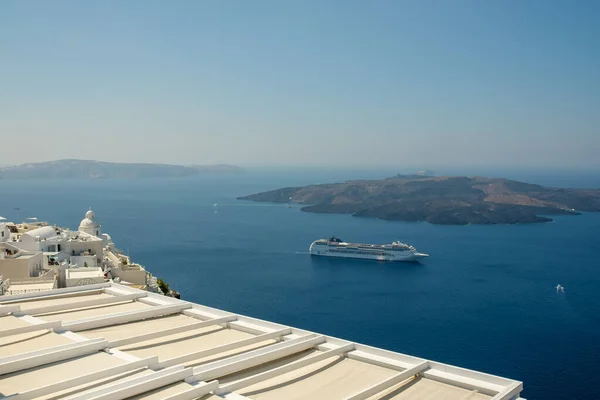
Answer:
(58, 247)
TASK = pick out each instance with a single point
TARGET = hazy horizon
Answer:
(315, 84)
(437, 169)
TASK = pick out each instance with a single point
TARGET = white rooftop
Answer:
(109, 341)
(44, 232)
(24, 255)
(84, 272)
(18, 287)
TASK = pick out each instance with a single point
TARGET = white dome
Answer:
(45, 232)
(87, 222)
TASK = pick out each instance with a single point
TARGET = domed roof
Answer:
(89, 224)
(90, 215)
(45, 232)
(86, 222)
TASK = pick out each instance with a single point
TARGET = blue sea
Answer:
(485, 299)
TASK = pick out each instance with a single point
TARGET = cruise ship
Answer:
(335, 247)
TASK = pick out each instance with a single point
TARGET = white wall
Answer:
(28, 243)
(78, 246)
(19, 267)
(137, 277)
(114, 261)
(31, 286)
(4, 233)
(131, 273)
(80, 281)
(82, 260)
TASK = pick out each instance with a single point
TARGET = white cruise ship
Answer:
(334, 247)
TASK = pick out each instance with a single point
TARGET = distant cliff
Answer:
(451, 200)
(83, 169)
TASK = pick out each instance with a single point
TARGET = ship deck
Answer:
(369, 246)
(110, 341)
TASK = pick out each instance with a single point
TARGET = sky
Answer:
(302, 82)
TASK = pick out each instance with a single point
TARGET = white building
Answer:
(4, 232)
(82, 247)
(58, 245)
(81, 276)
(33, 250)
(89, 224)
(18, 264)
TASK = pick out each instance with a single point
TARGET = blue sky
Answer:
(361, 83)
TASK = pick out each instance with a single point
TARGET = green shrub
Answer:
(164, 286)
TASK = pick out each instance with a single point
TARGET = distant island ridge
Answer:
(447, 200)
(88, 169)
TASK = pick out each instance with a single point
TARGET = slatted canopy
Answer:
(109, 341)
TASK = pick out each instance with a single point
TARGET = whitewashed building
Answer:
(89, 224)
(37, 251)
(58, 245)
(81, 276)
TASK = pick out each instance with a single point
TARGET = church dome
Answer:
(90, 215)
(89, 224)
(86, 222)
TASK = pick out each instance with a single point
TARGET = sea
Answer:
(486, 299)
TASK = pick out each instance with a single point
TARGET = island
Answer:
(87, 169)
(447, 200)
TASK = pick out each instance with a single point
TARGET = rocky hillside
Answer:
(439, 200)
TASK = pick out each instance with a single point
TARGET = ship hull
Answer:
(410, 258)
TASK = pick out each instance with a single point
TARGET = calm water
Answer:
(485, 299)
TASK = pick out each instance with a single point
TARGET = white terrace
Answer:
(108, 341)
